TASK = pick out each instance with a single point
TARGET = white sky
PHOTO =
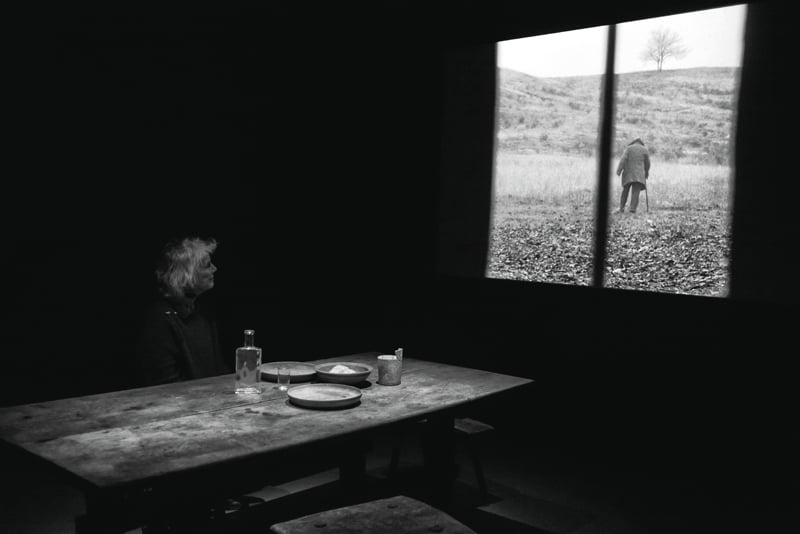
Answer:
(714, 38)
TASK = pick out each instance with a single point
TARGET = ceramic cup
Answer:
(390, 368)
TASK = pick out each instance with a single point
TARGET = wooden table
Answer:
(134, 451)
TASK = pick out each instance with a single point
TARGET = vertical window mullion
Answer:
(604, 167)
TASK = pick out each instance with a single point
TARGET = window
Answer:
(671, 83)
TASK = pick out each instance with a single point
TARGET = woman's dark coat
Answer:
(175, 346)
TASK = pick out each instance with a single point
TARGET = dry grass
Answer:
(564, 180)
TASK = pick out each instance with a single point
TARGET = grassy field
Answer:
(565, 180)
(545, 180)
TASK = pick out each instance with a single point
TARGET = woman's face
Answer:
(205, 275)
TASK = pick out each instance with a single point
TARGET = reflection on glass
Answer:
(676, 92)
(545, 157)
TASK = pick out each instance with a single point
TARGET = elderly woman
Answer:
(179, 340)
(634, 166)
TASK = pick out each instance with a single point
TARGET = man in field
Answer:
(634, 167)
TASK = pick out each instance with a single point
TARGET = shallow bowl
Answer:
(325, 375)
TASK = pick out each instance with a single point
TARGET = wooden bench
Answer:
(395, 515)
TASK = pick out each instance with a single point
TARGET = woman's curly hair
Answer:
(177, 270)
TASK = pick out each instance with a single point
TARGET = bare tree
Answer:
(663, 43)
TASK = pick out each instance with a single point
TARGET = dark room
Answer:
(327, 267)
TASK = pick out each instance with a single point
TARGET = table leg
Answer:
(439, 448)
(104, 514)
(353, 464)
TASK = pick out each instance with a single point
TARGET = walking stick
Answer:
(646, 198)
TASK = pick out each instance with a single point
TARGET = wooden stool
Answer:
(395, 515)
(470, 431)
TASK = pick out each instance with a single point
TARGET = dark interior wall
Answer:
(669, 382)
(324, 154)
(305, 145)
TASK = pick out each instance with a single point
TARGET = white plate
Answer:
(324, 395)
(301, 372)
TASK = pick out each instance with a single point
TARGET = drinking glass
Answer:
(284, 378)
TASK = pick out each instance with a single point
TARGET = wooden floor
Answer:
(532, 490)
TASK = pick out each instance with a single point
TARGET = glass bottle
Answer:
(248, 365)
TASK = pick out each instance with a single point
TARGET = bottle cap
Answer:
(249, 332)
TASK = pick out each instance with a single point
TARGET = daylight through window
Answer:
(669, 221)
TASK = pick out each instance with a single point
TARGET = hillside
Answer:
(682, 115)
